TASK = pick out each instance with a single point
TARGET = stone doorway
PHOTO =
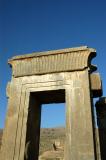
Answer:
(67, 74)
(34, 119)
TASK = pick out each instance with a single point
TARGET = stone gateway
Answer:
(46, 77)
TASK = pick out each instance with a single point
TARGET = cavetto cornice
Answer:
(64, 60)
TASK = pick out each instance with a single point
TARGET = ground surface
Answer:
(48, 137)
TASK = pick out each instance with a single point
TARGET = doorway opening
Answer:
(52, 132)
(36, 131)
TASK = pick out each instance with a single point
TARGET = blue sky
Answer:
(38, 25)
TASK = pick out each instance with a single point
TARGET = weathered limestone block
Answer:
(79, 121)
(58, 146)
(10, 130)
(96, 85)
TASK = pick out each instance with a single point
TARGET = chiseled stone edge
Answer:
(51, 52)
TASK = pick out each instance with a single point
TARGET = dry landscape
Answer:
(51, 143)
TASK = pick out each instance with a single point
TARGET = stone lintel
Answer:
(96, 85)
(65, 60)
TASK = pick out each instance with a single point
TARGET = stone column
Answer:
(101, 122)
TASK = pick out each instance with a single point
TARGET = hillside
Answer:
(52, 143)
(1, 132)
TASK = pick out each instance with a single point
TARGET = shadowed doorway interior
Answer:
(37, 102)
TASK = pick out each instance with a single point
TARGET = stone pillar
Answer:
(101, 122)
(79, 128)
(11, 125)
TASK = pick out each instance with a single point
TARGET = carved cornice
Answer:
(71, 59)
